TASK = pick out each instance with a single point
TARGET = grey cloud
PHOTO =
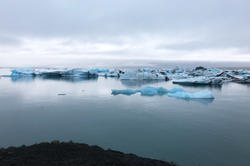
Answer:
(212, 24)
(117, 17)
(198, 45)
(9, 41)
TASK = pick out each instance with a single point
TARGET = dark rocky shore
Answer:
(71, 154)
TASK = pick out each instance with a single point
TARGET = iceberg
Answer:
(49, 73)
(200, 81)
(52, 73)
(175, 92)
(112, 74)
(152, 91)
(196, 76)
(80, 73)
(97, 70)
(142, 74)
(24, 71)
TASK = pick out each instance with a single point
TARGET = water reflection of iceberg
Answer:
(202, 86)
(22, 78)
(55, 78)
(70, 79)
(139, 83)
(202, 101)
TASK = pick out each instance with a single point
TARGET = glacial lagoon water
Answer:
(189, 132)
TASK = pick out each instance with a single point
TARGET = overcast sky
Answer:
(48, 31)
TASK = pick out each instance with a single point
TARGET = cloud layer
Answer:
(43, 31)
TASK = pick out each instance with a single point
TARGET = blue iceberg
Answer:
(152, 91)
(175, 92)
(23, 71)
(80, 73)
(97, 70)
(54, 73)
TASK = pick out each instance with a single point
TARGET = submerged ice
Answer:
(175, 92)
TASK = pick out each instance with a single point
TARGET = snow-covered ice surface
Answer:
(175, 92)
(142, 74)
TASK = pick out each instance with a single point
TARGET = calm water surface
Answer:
(191, 133)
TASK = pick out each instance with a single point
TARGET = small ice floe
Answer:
(175, 92)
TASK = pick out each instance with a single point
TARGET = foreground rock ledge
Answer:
(71, 154)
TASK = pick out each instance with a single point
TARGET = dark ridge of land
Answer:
(71, 154)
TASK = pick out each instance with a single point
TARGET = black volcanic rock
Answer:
(200, 68)
(71, 154)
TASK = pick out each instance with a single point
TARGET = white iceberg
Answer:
(200, 81)
(142, 74)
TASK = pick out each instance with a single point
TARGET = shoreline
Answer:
(58, 153)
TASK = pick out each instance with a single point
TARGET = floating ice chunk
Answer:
(49, 73)
(112, 74)
(177, 70)
(199, 81)
(177, 75)
(175, 89)
(205, 94)
(24, 71)
(152, 91)
(175, 92)
(58, 73)
(193, 80)
(143, 74)
(99, 70)
(80, 73)
(124, 92)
